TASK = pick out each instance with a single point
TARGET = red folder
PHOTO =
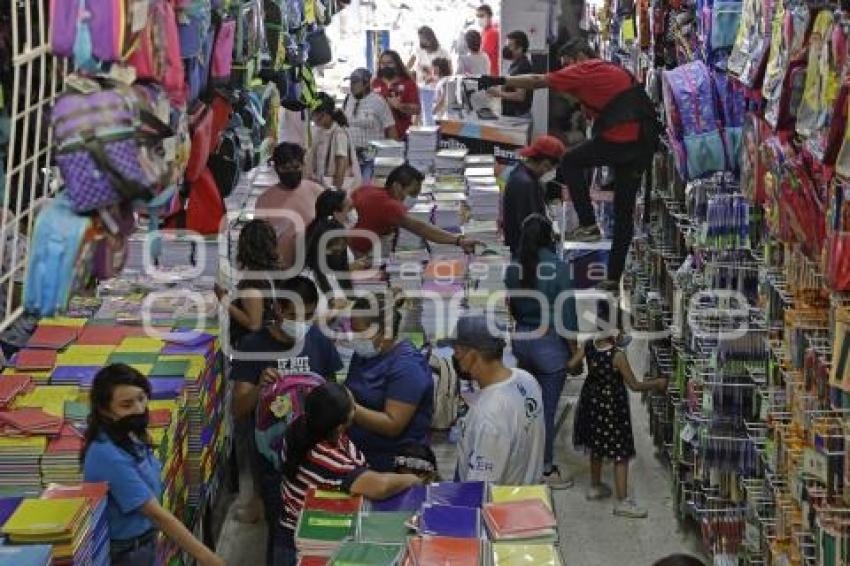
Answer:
(35, 360)
(53, 337)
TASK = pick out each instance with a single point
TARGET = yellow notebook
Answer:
(45, 518)
(64, 321)
(507, 554)
(505, 493)
(23, 444)
(84, 356)
(140, 344)
(50, 398)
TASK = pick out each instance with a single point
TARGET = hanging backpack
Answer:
(204, 206)
(158, 55)
(201, 129)
(110, 254)
(59, 262)
(752, 165)
(694, 126)
(109, 143)
(280, 404)
(249, 31)
(221, 66)
(733, 106)
(822, 78)
(196, 45)
(752, 44)
(93, 31)
(446, 391)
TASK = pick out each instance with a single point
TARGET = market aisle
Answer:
(590, 534)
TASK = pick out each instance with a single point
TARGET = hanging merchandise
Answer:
(752, 43)
(157, 57)
(249, 30)
(786, 67)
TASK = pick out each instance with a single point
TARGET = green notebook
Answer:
(367, 554)
(321, 525)
(76, 410)
(380, 526)
(170, 368)
(134, 358)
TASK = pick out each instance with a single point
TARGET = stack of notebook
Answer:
(367, 554)
(61, 460)
(28, 421)
(30, 555)
(64, 523)
(480, 161)
(20, 458)
(459, 494)
(383, 526)
(508, 493)
(527, 520)
(387, 148)
(384, 166)
(321, 533)
(517, 554)
(450, 162)
(96, 495)
(449, 521)
(332, 501)
(11, 386)
(484, 197)
(422, 146)
(422, 211)
(443, 551)
(409, 500)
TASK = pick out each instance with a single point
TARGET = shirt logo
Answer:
(479, 464)
(294, 366)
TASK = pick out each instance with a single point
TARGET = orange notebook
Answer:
(53, 337)
(519, 518)
(11, 386)
(93, 491)
(102, 335)
(35, 360)
(443, 551)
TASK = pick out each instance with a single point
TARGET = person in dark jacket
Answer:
(524, 191)
(625, 136)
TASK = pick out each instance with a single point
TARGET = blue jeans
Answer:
(143, 555)
(367, 169)
(546, 359)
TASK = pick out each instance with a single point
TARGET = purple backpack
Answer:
(109, 144)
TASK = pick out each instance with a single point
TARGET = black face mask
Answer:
(290, 179)
(461, 375)
(338, 261)
(507, 54)
(136, 423)
(387, 72)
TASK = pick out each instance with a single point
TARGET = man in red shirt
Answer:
(383, 210)
(490, 39)
(625, 136)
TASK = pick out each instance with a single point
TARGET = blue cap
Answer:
(472, 331)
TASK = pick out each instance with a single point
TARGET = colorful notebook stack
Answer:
(64, 523)
(11, 386)
(61, 460)
(449, 521)
(321, 533)
(29, 555)
(443, 551)
(527, 520)
(384, 526)
(512, 554)
(367, 554)
(20, 459)
(96, 495)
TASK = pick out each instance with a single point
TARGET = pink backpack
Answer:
(222, 55)
(158, 54)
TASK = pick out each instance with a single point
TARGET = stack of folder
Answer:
(64, 523)
(321, 533)
(449, 521)
(409, 500)
(367, 554)
(383, 526)
(61, 460)
(443, 551)
(332, 501)
(30, 555)
(508, 493)
(514, 554)
(528, 520)
(28, 421)
(450, 162)
(11, 386)
(20, 459)
(96, 495)
(458, 494)
(7, 508)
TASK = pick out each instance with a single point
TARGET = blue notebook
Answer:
(27, 555)
(410, 499)
(74, 375)
(7, 507)
(459, 494)
(449, 521)
(166, 387)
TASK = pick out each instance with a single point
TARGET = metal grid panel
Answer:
(37, 77)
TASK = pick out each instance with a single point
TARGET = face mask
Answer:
(425, 46)
(547, 177)
(136, 423)
(462, 375)
(410, 202)
(351, 219)
(295, 329)
(507, 54)
(387, 72)
(290, 179)
(364, 348)
(482, 22)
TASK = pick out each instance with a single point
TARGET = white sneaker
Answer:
(597, 492)
(555, 480)
(628, 508)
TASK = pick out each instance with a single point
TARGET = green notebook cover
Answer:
(131, 358)
(76, 410)
(321, 525)
(387, 526)
(367, 554)
(170, 368)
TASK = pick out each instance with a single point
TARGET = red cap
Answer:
(545, 146)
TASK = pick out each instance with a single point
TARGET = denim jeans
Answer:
(546, 359)
(144, 555)
(367, 169)
(629, 161)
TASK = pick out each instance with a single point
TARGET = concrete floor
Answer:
(590, 534)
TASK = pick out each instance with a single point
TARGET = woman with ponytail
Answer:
(541, 301)
(117, 451)
(332, 159)
(320, 455)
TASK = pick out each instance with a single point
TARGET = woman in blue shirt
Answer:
(117, 451)
(539, 282)
(391, 383)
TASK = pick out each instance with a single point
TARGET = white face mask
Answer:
(482, 22)
(364, 348)
(410, 202)
(548, 176)
(351, 219)
(295, 329)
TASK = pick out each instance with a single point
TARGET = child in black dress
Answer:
(603, 424)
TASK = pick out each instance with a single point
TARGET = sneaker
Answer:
(597, 492)
(628, 508)
(555, 480)
(584, 234)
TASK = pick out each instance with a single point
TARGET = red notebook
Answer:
(443, 551)
(519, 518)
(35, 360)
(313, 561)
(159, 418)
(332, 501)
(101, 335)
(31, 420)
(53, 337)
(65, 444)
(11, 386)
(94, 491)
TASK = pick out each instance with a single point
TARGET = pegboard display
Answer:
(30, 85)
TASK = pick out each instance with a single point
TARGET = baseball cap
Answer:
(545, 146)
(472, 331)
(361, 75)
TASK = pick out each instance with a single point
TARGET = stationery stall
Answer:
(739, 282)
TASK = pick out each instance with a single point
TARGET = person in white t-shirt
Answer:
(332, 158)
(502, 436)
(475, 63)
(422, 61)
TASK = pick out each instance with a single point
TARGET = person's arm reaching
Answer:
(515, 95)
(438, 235)
(621, 363)
(177, 531)
(378, 486)
(530, 82)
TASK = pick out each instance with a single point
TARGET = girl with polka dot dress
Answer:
(603, 424)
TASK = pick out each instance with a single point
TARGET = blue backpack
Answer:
(60, 258)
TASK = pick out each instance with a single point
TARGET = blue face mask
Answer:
(364, 348)
(410, 202)
(295, 329)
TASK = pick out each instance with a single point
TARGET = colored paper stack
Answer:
(422, 147)
(383, 526)
(20, 459)
(449, 521)
(440, 551)
(321, 533)
(31, 555)
(513, 554)
(64, 523)
(96, 495)
(367, 554)
(61, 460)
(484, 197)
(384, 166)
(528, 520)
(388, 148)
(11, 386)
(450, 163)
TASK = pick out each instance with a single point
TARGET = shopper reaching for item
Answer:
(625, 136)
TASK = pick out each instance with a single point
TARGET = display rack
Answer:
(38, 77)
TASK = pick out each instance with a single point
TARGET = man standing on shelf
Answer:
(624, 137)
